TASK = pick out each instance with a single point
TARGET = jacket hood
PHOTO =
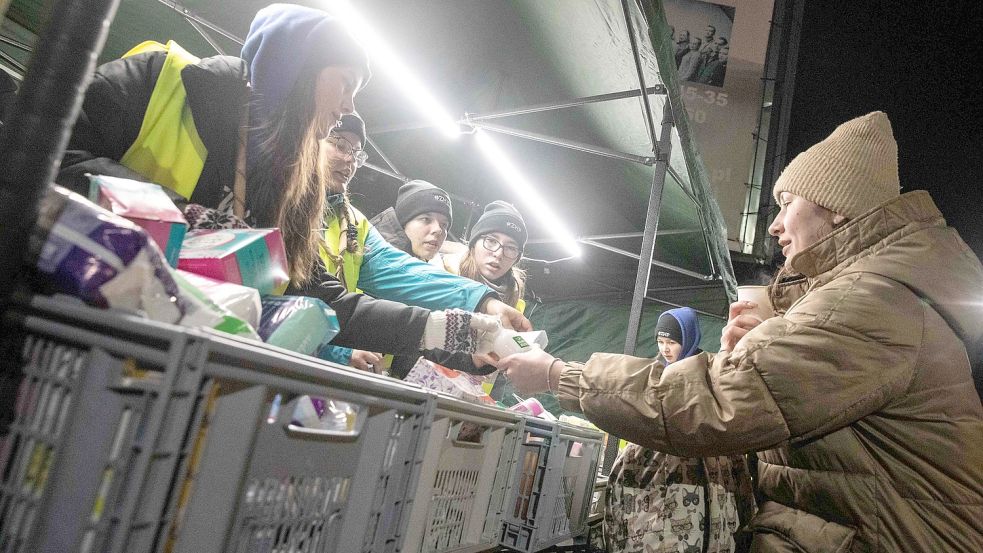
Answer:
(689, 324)
(286, 39)
(388, 226)
(907, 240)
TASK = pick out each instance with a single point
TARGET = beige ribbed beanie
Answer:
(854, 170)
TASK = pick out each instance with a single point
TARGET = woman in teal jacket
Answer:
(357, 254)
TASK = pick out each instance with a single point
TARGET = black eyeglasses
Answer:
(348, 149)
(492, 245)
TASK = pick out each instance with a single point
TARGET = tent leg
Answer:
(661, 166)
(648, 250)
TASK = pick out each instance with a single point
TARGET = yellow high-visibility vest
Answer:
(168, 151)
(335, 242)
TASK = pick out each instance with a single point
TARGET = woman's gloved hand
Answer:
(455, 330)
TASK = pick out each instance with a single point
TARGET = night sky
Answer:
(921, 65)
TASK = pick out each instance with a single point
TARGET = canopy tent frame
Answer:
(659, 161)
(476, 121)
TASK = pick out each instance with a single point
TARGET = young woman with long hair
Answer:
(239, 139)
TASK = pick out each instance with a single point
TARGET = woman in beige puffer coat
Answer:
(858, 397)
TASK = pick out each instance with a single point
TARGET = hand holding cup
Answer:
(750, 310)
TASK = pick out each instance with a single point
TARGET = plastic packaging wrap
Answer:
(145, 204)
(102, 258)
(432, 376)
(250, 257)
(531, 406)
(241, 301)
(508, 341)
(325, 414)
(297, 323)
(219, 317)
(108, 261)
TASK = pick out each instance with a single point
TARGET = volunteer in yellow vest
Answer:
(359, 256)
(240, 137)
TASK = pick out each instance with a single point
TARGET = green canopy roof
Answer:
(487, 56)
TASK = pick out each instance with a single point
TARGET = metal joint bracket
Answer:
(660, 155)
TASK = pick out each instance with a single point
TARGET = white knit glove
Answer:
(455, 330)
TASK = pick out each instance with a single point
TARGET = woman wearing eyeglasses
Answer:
(492, 258)
(496, 245)
(357, 254)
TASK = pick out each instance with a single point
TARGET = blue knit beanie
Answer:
(285, 39)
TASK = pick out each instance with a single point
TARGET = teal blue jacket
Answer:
(389, 273)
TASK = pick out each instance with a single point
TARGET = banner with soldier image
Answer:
(720, 57)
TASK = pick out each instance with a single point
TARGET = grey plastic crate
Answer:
(103, 405)
(552, 486)
(469, 454)
(262, 484)
(598, 500)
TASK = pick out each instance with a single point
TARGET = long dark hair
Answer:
(286, 187)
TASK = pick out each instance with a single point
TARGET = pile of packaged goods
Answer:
(128, 247)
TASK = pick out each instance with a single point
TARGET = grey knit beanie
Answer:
(501, 217)
(419, 196)
(852, 171)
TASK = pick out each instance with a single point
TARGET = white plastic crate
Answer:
(596, 512)
(553, 483)
(102, 408)
(469, 455)
(263, 484)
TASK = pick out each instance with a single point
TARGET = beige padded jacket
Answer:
(859, 397)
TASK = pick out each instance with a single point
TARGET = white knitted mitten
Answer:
(456, 330)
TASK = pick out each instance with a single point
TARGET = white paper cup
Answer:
(759, 295)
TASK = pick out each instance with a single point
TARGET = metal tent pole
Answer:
(43, 116)
(656, 89)
(655, 263)
(562, 142)
(648, 236)
(661, 148)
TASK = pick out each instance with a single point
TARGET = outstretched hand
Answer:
(508, 315)
(527, 371)
(366, 361)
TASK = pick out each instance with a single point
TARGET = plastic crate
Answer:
(552, 485)
(262, 484)
(469, 455)
(596, 512)
(103, 404)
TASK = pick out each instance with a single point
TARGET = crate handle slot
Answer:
(575, 450)
(295, 430)
(457, 427)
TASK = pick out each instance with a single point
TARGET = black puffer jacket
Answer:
(110, 122)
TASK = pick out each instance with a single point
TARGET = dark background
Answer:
(921, 64)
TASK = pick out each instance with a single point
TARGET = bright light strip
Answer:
(534, 203)
(383, 56)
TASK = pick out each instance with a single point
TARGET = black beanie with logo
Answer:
(419, 196)
(351, 122)
(668, 327)
(501, 217)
